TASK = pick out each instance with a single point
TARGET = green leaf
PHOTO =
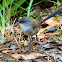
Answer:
(15, 13)
(7, 3)
(30, 4)
(14, 7)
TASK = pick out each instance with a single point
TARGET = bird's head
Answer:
(26, 20)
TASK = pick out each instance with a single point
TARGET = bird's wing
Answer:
(35, 24)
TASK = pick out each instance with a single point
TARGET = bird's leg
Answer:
(35, 37)
(30, 38)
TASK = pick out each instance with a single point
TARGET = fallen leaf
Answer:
(28, 56)
(6, 51)
(37, 8)
(52, 21)
(13, 47)
(50, 28)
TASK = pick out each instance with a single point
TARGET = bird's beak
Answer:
(20, 21)
(17, 22)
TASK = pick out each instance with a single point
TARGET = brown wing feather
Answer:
(35, 24)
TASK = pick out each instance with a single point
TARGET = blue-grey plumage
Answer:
(26, 26)
(31, 27)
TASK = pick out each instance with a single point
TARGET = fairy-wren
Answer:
(31, 27)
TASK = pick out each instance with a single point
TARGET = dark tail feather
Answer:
(52, 14)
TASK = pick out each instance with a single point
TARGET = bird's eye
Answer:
(21, 22)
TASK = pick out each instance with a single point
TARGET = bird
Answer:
(31, 27)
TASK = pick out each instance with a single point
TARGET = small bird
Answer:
(31, 27)
(28, 26)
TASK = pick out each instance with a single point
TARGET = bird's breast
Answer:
(28, 30)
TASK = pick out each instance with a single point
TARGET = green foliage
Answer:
(16, 5)
(12, 8)
(61, 1)
(29, 8)
(58, 35)
(7, 8)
